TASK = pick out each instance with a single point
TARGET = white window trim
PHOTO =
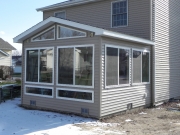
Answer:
(73, 99)
(71, 29)
(112, 14)
(27, 49)
(141, 50)
(118, 47)
(73, 85)
(38, 95)
(42, 33)
(59, 12)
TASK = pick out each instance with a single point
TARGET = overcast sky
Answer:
(16, 16)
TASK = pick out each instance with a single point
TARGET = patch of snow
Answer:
(15, 120)
(142, 113)
(128, 120)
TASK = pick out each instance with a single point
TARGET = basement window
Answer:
(75, 95)
(39, 91)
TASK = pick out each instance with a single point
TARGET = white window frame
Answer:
(117, 47)
(38, 48)
(42, 33)
(38, 95)
(71, 29)
(73, 99)
(141, 50)
(60, 12)
(112, 14)
(73, 85)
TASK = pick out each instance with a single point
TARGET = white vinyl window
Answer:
(48, 34)
(39, 91)
(141, 66)
(75, 95)
(116, 66)
(119, 13)
(39, 65)
(60, 14)
(75, 66)
(65, 32)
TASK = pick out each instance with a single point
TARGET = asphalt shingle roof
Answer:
(6, 45)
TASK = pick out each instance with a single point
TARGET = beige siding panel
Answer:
(99, 14)
(115, 100)
(167, 30)
(66, 105)
(6, 60)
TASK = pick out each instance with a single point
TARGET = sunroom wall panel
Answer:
(59, 104)
(115, 99)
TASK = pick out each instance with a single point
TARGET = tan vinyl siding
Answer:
(66, 105)
(6, 60)
(99, 14)
(167, 48)
(115, 100)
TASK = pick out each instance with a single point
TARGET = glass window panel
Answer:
(111, 66)
(60, 15)
(32, 65)
(39, 91)
(75, 95)
(46, 65)
(136, 66)
(123, 66)
(145, 66)
(83, 65)
(65, 32)
(65, 66)
(46, 35)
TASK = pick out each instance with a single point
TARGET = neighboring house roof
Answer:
(4, 53)
(6, 45)
(66, 4)
(98, 31)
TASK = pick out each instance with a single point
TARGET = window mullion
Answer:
(38, 63)
(74, 61)
(118, 66)
(141, 65)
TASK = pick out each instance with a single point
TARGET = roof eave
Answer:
(66, 4)
(127, 37)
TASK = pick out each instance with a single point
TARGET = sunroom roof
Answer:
(98, 31)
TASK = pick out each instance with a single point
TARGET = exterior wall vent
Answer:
(32, 102)
(129, 106)
(84, 111)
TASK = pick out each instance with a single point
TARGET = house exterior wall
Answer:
(98, 14)
(167, 30)
(59, 104)
(114, 100)
(6, 60)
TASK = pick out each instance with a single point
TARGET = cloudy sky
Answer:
(16, 16)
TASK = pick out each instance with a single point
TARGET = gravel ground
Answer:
(162, 120)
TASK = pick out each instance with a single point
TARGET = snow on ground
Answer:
(15, 120)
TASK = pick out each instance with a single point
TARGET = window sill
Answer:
(117, 86)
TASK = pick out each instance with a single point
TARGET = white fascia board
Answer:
(126, 37)
(42, 25)
(6, 54)
(65, 4)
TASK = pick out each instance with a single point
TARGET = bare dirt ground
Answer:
(153, 121)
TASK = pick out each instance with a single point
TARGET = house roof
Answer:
(66, 4)
(97, 31)
(5, 45)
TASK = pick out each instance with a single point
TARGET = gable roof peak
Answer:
(6, 45)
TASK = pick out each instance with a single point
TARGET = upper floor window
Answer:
(119, 13)
(60, 14)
